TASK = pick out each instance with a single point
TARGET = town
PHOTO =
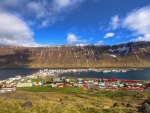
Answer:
(51, 78)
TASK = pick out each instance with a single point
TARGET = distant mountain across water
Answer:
(133, 54)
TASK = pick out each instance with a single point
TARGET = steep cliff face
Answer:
(134, 54)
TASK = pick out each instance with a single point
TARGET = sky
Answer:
(80, 22)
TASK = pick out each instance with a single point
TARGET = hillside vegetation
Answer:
(64, 101)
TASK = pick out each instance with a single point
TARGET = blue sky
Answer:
(59, 22)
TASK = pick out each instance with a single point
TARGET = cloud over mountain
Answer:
(14, 31)
(43, 12)
(72, 39)
(138, 22)
(17, 18)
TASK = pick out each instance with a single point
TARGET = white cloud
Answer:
(14, 31)
(14, 25)
(144, 38)
(109, 35)
(138, 21)
(42, 12)
(72, 38)
(115, 22)
(100, 42)
(64, 3)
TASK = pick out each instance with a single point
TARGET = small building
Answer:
(67, 80)
(24, 84)
(7, 89)
(102, 85)
(32, 77)
(15, 78)
(53, 85)
(80, 80)
(57, 80)
(60, 85)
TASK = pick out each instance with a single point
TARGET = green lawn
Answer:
(50, 89)
(37, 80)
(77, 90)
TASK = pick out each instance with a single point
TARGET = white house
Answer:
(15, 78)
(7, 89)
(24, 84)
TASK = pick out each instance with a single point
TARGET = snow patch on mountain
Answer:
(113, 56)
(121, 50)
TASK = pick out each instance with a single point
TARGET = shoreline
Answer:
(76, 68)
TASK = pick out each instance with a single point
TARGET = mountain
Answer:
(133, 54)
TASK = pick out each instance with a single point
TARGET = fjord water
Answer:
(7, 73)
(143, 74)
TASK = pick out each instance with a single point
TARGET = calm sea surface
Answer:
(138, 74)
(7, 73)
(133, 75)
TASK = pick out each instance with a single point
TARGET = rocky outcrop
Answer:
(145, 107)
(122, 104)
(27, 104)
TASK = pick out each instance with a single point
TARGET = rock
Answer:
(116, 105)
(27, 104)
(124, 104)
(145, 108)
(129, 105)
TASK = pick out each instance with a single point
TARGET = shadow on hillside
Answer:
(19, 59)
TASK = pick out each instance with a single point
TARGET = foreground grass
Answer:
(69, 100)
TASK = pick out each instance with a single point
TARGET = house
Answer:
(15, 78)
(80, 85)
(37, 84)
(95, 83)
(7, 89)
(25, 84)
(80, 80)
(53, 85)
(8, 82)
(40, 83)
(102, 85)
(67, 80)
(1, 85)
(91, 86)
(57, 79)
(32, 77)
(61, 85)
(90, 81)
(148, 89)
(75, 84)
(139, 84)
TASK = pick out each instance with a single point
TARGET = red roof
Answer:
(132, 81)
(59, 85)
(95, 78)
(104, 79)
(133, 89)
(110, 80)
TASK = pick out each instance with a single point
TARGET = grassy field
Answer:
(70, 100)
(50, 89)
